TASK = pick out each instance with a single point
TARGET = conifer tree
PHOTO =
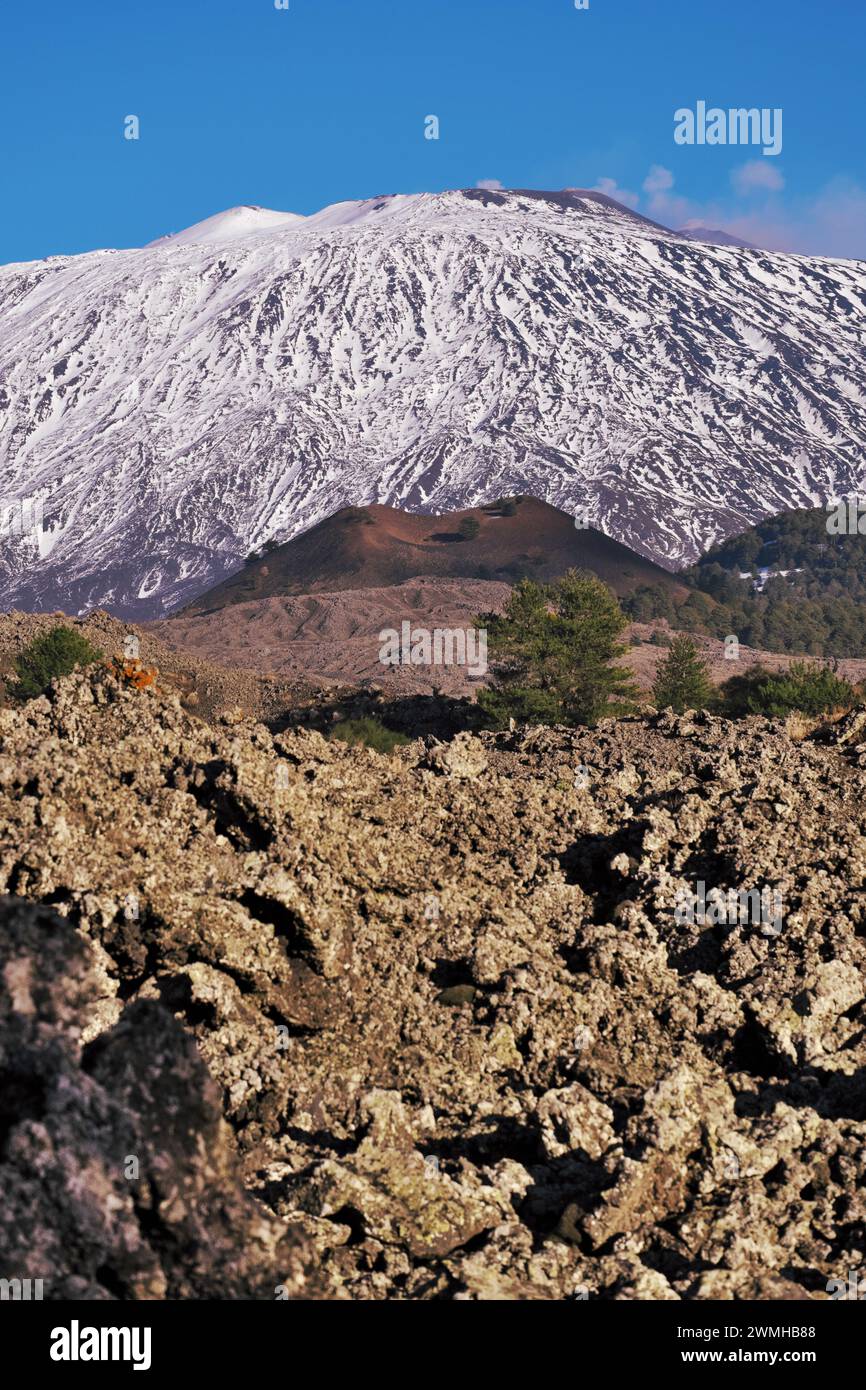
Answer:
(552, 653)
(682, 679)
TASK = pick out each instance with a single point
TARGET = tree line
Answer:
(813, 602)
(554, 653)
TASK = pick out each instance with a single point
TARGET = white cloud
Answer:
(492, 185)
(758, 176)
(658, 180)
(830, 222)
(664, 205)
(622, 195)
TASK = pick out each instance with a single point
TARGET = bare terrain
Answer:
(334, 637)
(375, 546)
(269, 657)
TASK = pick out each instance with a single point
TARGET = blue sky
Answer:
(293, 109)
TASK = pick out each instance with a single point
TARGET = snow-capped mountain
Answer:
(175, 406)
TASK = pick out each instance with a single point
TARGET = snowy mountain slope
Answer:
(175, 406)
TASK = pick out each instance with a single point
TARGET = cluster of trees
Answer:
(553, 652)
(790, 540)
(818, 608)
(682, 682)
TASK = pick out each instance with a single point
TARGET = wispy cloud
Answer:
(658, 180)
(622, 195)
(757, 176)
(662, 202)
(759, 209)
(492, 185)
(829, 223)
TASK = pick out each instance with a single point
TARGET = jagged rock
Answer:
(463, 758)
(119, 1174)
(571, 1118)
(400, 1199)
(630, 1103)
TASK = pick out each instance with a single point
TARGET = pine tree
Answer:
(682, 679)
(552, 652)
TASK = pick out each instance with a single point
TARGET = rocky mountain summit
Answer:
(426, 1026)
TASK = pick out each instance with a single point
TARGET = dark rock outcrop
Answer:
(119, 1174)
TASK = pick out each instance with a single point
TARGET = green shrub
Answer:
(53, 654)
(737, 693)
(806, 687)
(368, 732)
(468, 528)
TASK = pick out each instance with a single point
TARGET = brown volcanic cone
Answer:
(375, 546)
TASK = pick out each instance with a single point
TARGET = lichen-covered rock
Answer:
(467, 1041)
(571, 1118)
(463, 758)
(398, 1197)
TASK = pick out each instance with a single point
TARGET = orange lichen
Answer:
(133, 672)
